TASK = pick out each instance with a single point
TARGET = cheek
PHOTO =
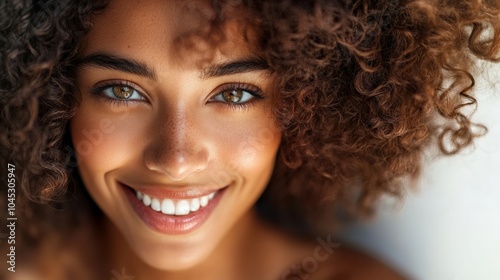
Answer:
(257, 146)
(102, 141)
(249, 148)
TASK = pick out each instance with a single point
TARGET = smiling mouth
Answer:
(173, 212)
(177, 207)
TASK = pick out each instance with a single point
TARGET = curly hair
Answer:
(363, 88)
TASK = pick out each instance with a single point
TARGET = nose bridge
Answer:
(179, 128)
(176, 149)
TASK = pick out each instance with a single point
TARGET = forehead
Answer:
(184, 32)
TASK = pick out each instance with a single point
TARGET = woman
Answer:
(177, 117)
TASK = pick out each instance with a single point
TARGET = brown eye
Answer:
(122, 92)
(233, 96)
(237, 94)
(119, 91)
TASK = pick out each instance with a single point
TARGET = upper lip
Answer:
(175, 192)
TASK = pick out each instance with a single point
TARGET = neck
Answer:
(226, 262)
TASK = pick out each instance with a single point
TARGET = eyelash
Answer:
(99, 88)
(253, 90)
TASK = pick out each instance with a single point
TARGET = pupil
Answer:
(122, 92)
(233, 95)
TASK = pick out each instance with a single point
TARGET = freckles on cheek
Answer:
(100, 142)
(90, 138)
(252, 148)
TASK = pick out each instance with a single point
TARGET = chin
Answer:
(169, 260)
(170, 253)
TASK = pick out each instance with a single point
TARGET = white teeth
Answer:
(146, 200)
(195, 204)
(204, 201)
(168, 207)
(155, 204)
(175, 207)
(182, 207)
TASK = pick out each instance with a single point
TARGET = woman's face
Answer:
(184, 122)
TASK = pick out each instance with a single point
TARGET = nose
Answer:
(176, 149)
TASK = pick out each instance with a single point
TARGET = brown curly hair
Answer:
(364, 86)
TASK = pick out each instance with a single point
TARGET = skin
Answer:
(177, 134)
(174, 137)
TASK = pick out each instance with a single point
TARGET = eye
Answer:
(118, 92)
(238, 95)
(121, 92)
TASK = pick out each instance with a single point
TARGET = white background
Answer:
(449, 229)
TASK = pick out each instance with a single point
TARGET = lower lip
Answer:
(169, 224)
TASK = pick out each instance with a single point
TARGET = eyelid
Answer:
(253, 90)
(99, 87)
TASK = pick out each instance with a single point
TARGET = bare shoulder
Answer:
(327, 260)
(291, 258)
(349, 263)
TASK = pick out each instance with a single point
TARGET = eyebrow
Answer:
(110, 61)
(234, 67)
